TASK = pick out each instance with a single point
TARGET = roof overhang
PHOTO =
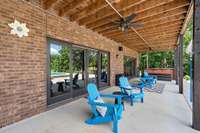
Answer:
(164, 20)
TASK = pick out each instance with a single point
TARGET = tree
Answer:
(60, 61)
(157, 59)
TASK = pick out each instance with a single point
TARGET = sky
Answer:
(55, 48)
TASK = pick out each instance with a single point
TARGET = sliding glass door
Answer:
(72, 67)
(104, 69)
(59, 87)
(78, 71)
(129, 66)
(92, 66)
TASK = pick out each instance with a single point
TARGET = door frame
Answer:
(99, 69)
(133, 65)
(74, 47)
(64, 96)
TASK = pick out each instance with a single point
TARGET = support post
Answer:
(196, 66)
(176, 64)
(181, 64)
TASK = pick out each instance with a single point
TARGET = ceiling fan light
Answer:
(123, 29)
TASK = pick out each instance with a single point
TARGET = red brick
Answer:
(23, 89)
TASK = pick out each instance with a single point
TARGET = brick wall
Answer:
(23, 90)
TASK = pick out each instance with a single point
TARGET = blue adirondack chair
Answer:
(128, 89)
(149, 80)
(113, 113)
(146, 75)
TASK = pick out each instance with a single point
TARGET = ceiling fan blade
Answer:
(115, 21)
(130, 17)
(136, 25)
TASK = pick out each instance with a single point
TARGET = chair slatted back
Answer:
(146, 74)
(93, 94)
(123, 82)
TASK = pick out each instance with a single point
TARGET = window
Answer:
(59, 73)
(104, 69)
(129, 66)
(78, 72)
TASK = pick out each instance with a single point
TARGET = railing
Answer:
(162, 73)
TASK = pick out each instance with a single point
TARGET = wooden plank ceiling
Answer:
(162, 19)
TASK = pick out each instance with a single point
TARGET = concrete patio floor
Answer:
(161, 113)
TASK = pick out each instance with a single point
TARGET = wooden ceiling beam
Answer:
(154, 45)
(118, 32)
(153, 9)
(169, 43)
(148, 28)
(69, 7)
(105, 12)
(148, 13)
(48, 3)
(90, 10)
(165, 24)
(152, 35)
(173, 38)
(162, 24)
(146, 20)
(152, 23)
(166, 38)
(143, 49)
(150, 38)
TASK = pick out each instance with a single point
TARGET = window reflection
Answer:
(60, 71)
(92, 66)
(78, 72)
(104, 69)
(129, 66)
(72, 68)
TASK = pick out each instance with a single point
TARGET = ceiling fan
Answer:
(125, 23)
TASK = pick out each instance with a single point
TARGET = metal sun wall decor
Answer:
(18, 29)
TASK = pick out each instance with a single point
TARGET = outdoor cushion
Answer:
(100, 109)
(129, 92)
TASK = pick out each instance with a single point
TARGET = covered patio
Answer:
(50, 50)
(158, 114)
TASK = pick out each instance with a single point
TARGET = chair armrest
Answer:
(108, 105)
(110, 96)
(144, 80)
(140, 86)
(128, 88)
(118, 97)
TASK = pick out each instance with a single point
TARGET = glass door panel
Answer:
(78, 72)
(128, 66)
(104, 69)
(59, 84)
(92, 66)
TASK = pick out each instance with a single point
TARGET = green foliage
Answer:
(78, 59)
(60, 62)
(104, 63)
(187, 77)
(166, 59)
(157, 60)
